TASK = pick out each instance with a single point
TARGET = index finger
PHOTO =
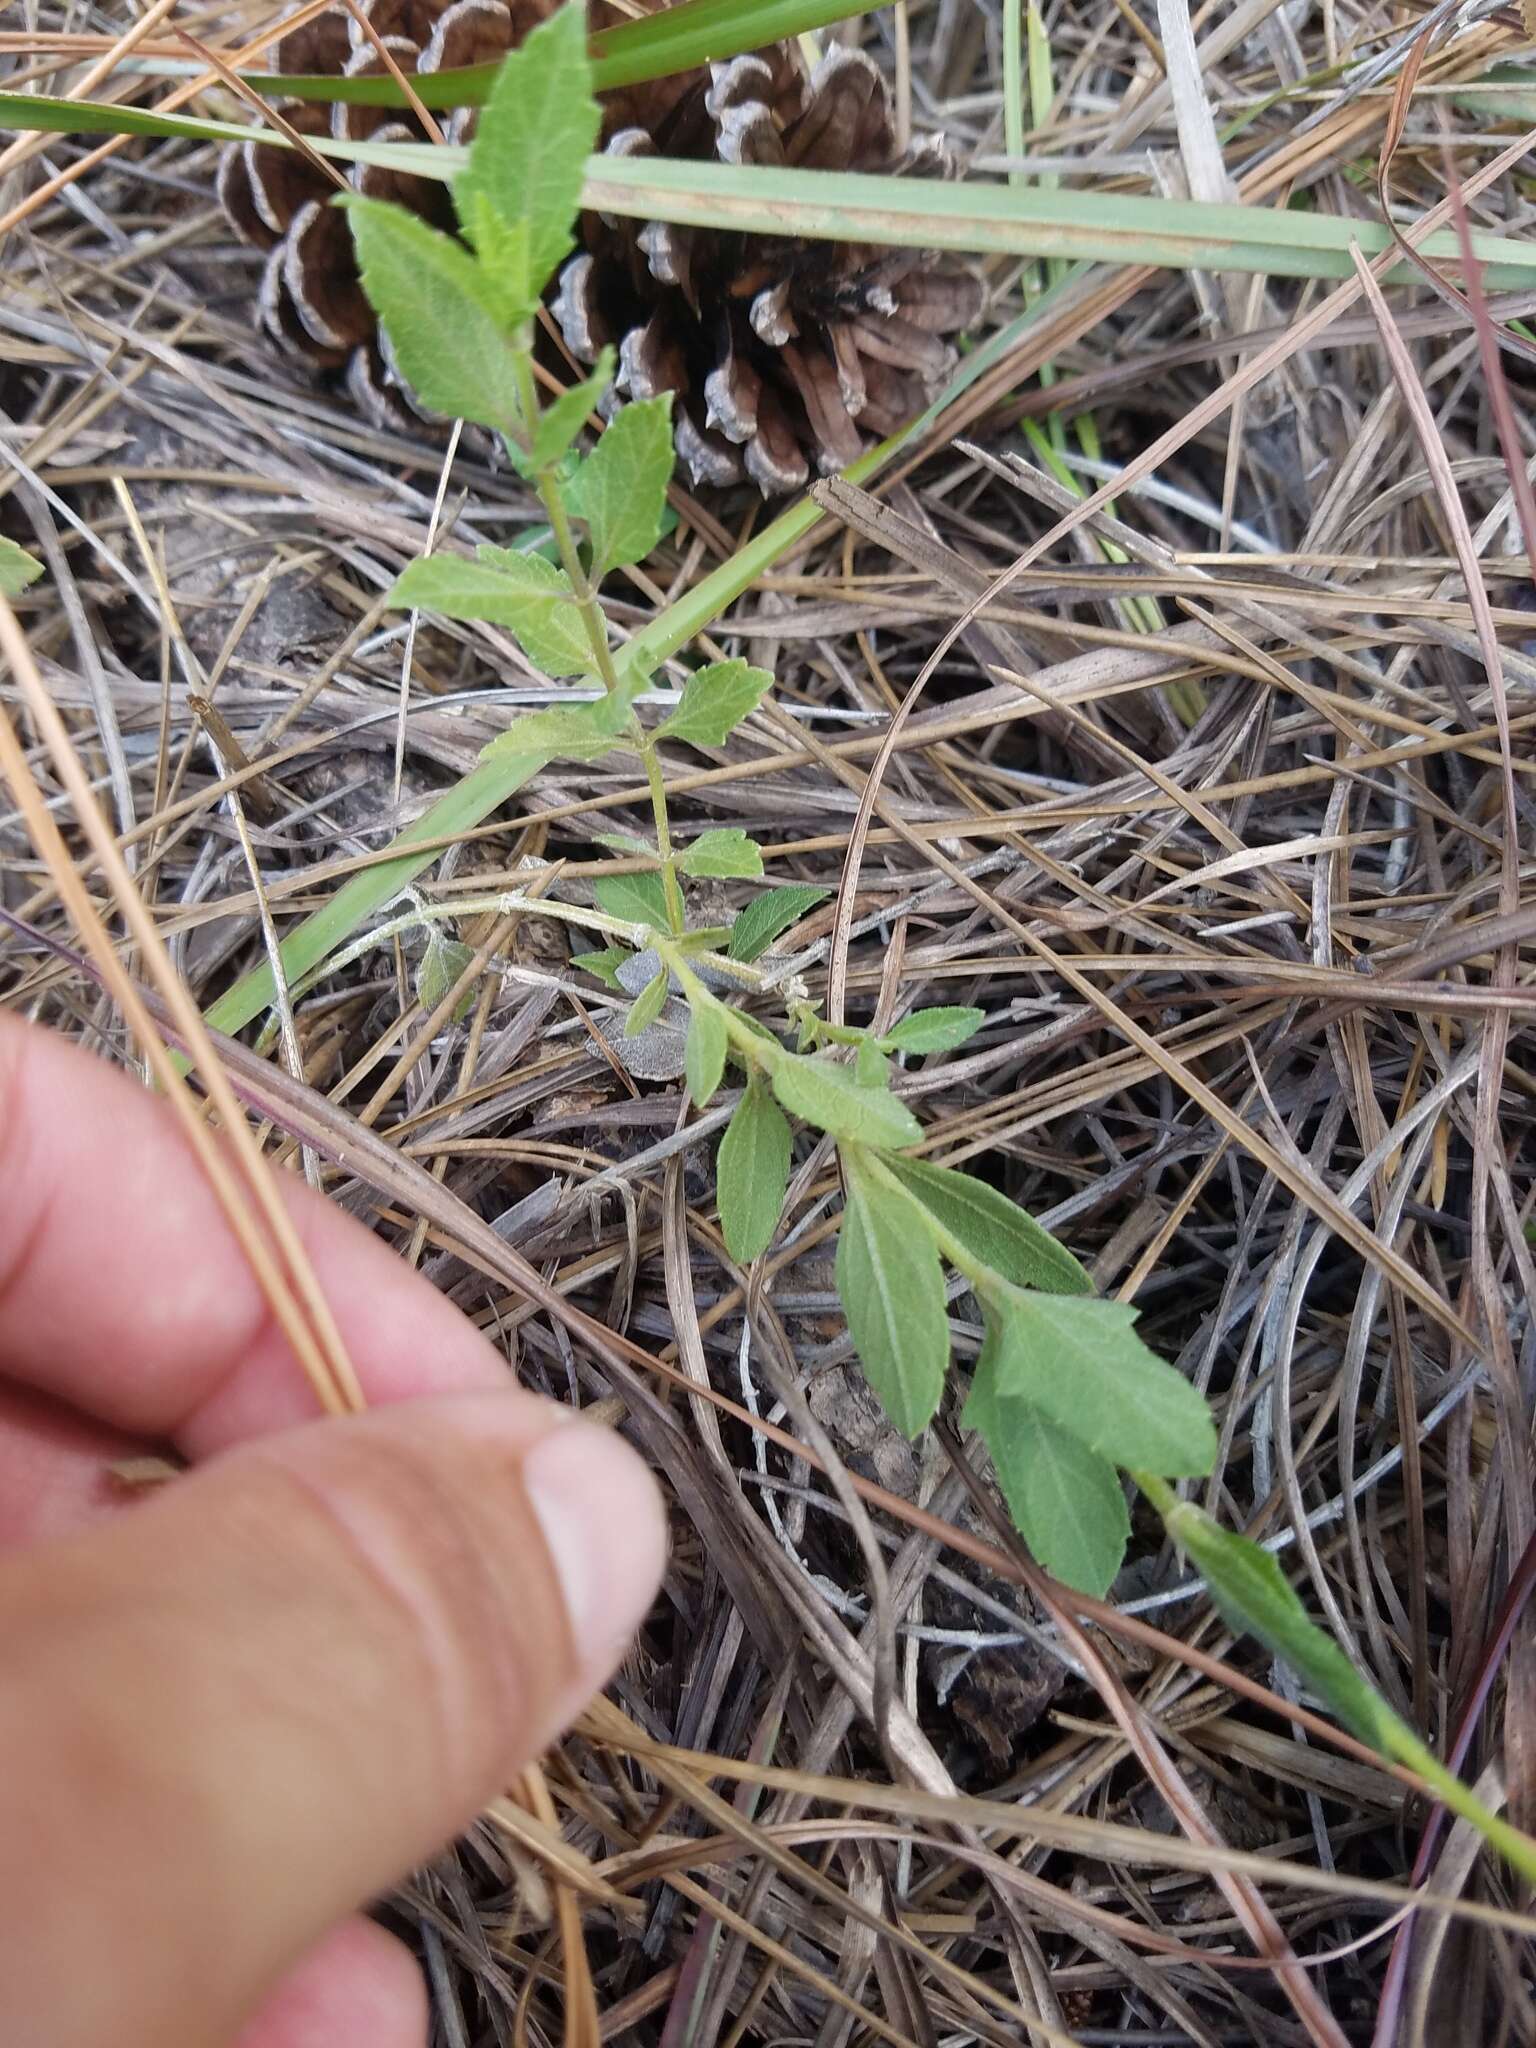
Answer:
(124, 1293)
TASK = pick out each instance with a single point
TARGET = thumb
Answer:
(237, 1711)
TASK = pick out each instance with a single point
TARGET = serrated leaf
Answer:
(564, 417)
(769, 914)
(714, 702)
(835, 1100)
(641, 899)
(726, 852)
(504, 588)
(441, 965)
(17, 568)
(891, 1285)
(1082, 1364)
(939, 1030)
(621, 489)
(648, 1005)
(604, 963)
(445, 324)
(992, 1229)
(752, 1173)
(1066, 1501)
(1255, 1597)
(537, 128)
(704, 1055)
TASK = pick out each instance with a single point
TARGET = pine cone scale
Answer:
(781, 355)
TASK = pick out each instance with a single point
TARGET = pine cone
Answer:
(781, 353)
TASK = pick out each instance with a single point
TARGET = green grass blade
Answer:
(364, 894)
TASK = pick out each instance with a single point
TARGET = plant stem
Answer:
(656, 783)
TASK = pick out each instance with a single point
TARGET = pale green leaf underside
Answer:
(752, 1173)
(647, 1006)
(891, 1286)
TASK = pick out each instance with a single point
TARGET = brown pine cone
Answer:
(781, 352)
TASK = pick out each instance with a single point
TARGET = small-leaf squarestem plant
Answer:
(1065, 1394)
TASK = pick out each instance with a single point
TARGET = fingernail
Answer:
(600, 1514)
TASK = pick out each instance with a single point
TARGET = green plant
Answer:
(1064, 1392)
(17, 568)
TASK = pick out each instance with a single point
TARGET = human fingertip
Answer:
(600, 1514)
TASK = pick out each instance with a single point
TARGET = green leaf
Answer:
(505, 588)
(714, 702)
(992, 1229)
(768, 915)
(752, 1173)
(572, 732)
(891, 1286)
(641, 899)
(621, 488)
(1254, 1596)
(935, 1030)
(871, 1068)
(704, 1054)
(17, 568)
(648, 1005)
(535, 133)
(626, 843)
(502, 259)
(1066, 1501)
(1082, 1364)
(604, 963)
(727, 852)
(441, 965)
(833, 1098)
(564, 417)
(445, 324)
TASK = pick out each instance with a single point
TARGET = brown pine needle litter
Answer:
(1171, 700)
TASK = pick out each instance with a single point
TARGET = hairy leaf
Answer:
(752, 1173)
(714, 702)
(992, 1229)
(642, 899)
(833, 1098)
(891, 1286)
(445, 323)
(935, 1030)
(1082, 1364)
(621, 488)
(725, 852)
(766, 916)
(534, 135)
(522, 592)
(704, 1054)
(442, 963)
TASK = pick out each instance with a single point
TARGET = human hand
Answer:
(234, 1709)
